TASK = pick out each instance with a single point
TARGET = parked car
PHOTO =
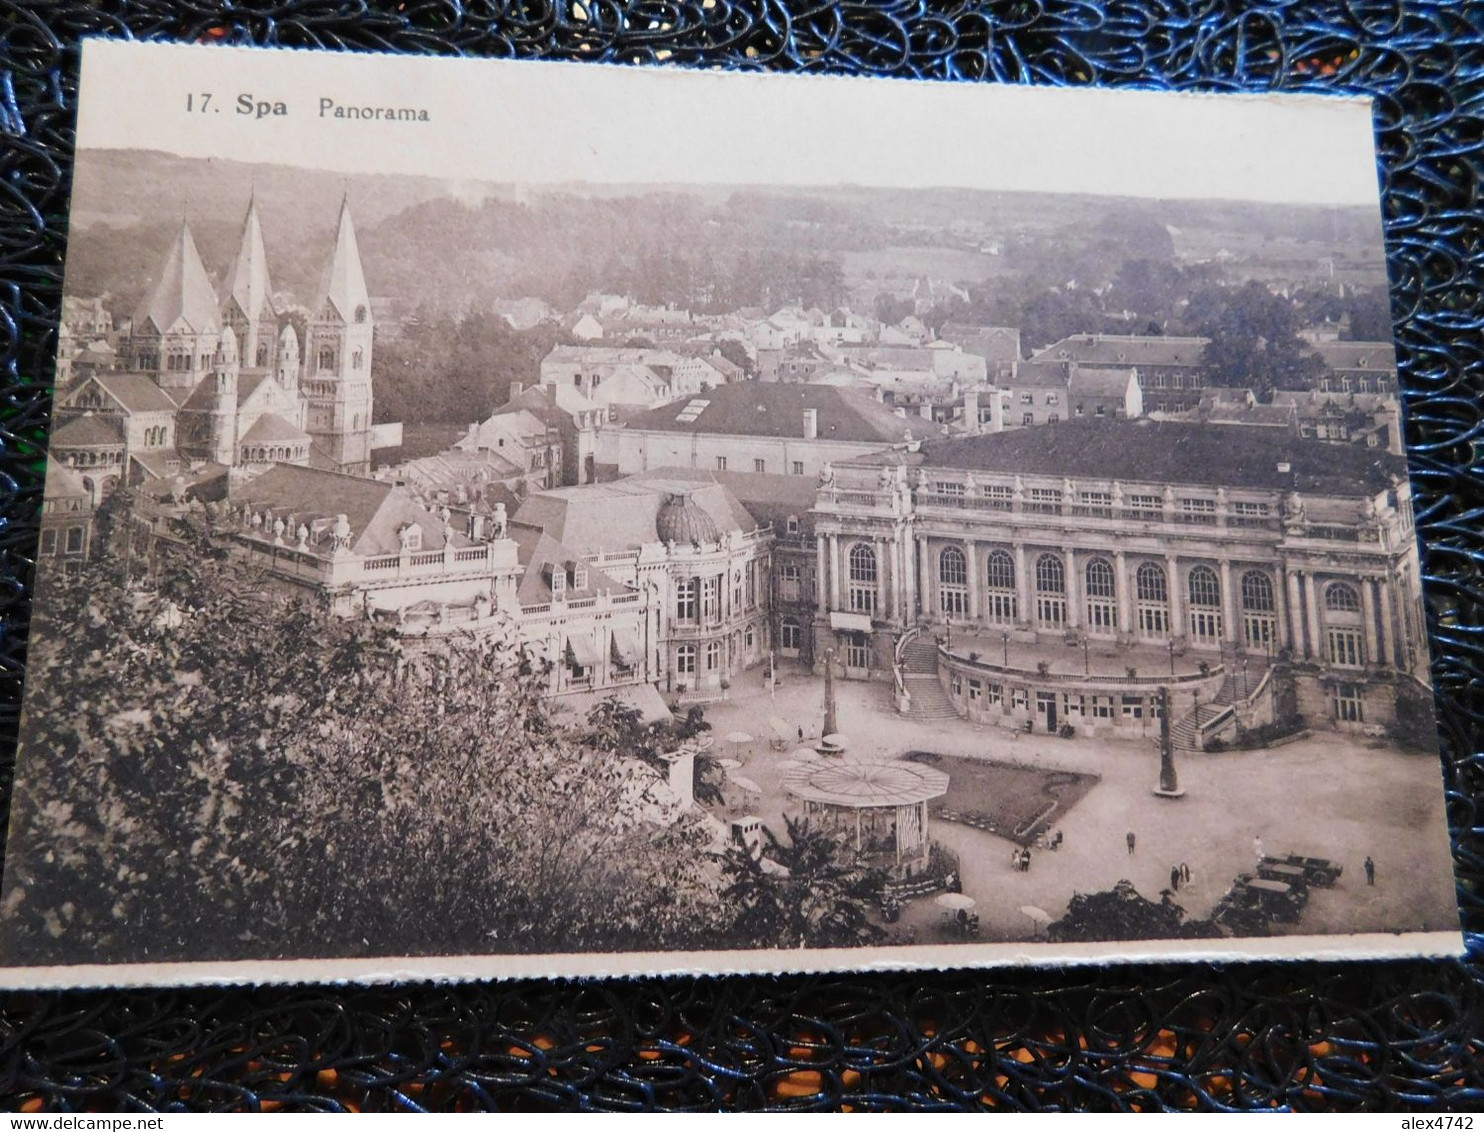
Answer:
(1318, 872)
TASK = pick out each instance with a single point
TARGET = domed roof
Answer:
(682, 520)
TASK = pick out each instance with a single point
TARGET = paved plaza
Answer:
(1330, 795)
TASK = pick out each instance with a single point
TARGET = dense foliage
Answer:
(216, 768)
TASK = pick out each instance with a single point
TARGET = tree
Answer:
(1254, 339)
(735, 352)
(259, 778)
(1122, 914)
(812, 893)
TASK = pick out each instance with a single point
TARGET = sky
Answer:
(535, 123)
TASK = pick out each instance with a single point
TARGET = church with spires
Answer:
(204, 382)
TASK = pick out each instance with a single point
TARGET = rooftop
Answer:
(1127, 349)
(765, 409)
(1233, 456)
(1357, 355)
(87, 431)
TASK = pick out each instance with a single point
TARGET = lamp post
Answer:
(1086, 661)
(1005, 658)
(948, 633)
(1169, 782)
(1172, 656)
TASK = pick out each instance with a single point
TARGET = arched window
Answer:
(792, 636)
(361, 313)
(327, 357)
(1257, 592)
(1051, 591)
(1205, 605)
(713, 656)
(1343, 629)
(262, 355)
(953, 582)
(862, 578)
(999, 574)
(1259, 623)
(1102, 604)
(357, 358)
(685, 661)
(1152, 600)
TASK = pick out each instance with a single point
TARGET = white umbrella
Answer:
(805, 754)
(746, 784)
(954, 900)
(728, 764)
(738, 737)
(835, 740)
(1039, 915)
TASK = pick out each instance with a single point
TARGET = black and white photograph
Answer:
(532, 519)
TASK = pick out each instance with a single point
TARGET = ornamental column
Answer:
(1228, 605)
(1280, 611)
(821, 576)
(909, 578)
(1296, 639)
(1316, 650)
(1368, 613)
(1177, 596)
(834, 571)
(1120, 593)
(1074, 590)
(971, 561)
(884, 576)
(1388, 642)
(1023, 609)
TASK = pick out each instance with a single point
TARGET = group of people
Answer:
(1020, 859)
(1179, 874)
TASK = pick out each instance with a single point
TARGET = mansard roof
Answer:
(624, 514)
(536, 551)
(1145, 451)
(753, 408)
(342, 286)
(375, 510)
(183, 293)
(1357, 355)
(1127, 349)
(248, 283)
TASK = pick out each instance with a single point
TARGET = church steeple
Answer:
(342, 289)
(248, 304)
(182, 298)
(337, 359)
(176, 326)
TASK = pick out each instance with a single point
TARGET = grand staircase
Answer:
(920, 678)
(1237, 685)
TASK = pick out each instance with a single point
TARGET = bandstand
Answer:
(882, 804)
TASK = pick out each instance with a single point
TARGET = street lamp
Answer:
(948, 634)
(1005, 659)
(1086, 662)
(1169, 782)
(1172, 656)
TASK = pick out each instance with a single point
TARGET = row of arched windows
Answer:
(156, 437)
(1257, 604)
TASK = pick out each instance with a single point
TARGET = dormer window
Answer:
(579, 578)
(558, 581)
(792, 524)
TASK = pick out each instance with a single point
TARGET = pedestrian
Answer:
(1129, 841)
(1175, 878)
(1370, 871)
(1184, 873)
(801, 733)
(1015, 858)
(1257, 847)
(1025, 860)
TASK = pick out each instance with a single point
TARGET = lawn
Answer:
(1011, 800)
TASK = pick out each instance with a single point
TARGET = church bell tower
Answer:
(337, 360)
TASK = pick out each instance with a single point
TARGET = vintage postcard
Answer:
(529, 519)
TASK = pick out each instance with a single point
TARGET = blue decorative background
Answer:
(1390, 1036)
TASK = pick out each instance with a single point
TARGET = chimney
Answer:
(516, 389)
(811, 424)
(971, 412)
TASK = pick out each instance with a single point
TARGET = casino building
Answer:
(1078, 572)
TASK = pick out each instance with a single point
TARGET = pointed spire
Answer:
(343, 285)
(248, 283)
(183, 291)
